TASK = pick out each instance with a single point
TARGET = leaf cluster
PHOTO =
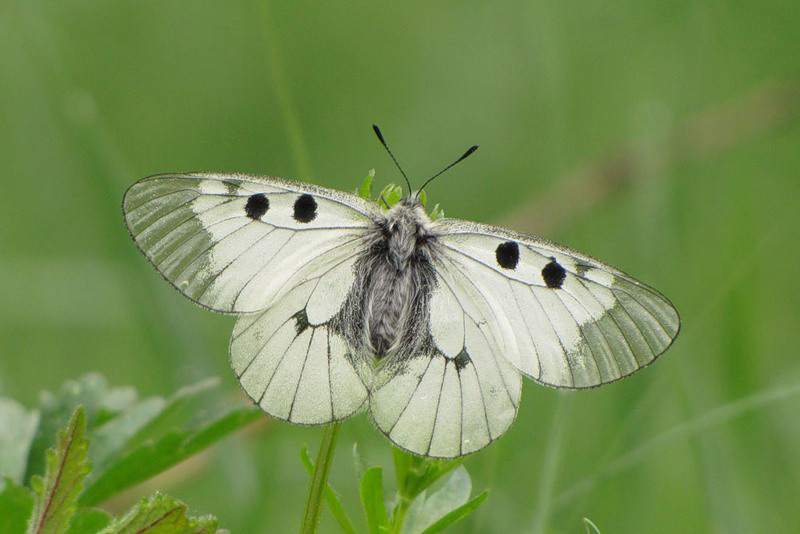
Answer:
(53, 479)
(392, 194)
(430, 495)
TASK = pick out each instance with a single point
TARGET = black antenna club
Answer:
(386, 146)
(464, 156)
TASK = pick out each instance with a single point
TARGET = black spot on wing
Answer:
(257, 205)
(301, 321)
(507, 254)
(462, 360)
(553, 274)
(305, 208)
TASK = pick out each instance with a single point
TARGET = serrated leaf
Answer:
(100, 403)
(16, 504)
(365, 189)
(163, 450)
(457, 514)
(17, 429)
(426, 511)
(161, 514)
(89, 521)
(331, 497)
(371, 491)
(66, 467)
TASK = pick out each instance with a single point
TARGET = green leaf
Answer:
(392, 194)
(66, 467)
(590, 527)
(358, 462)
(331, 497)
(17, 428)
(365, 190)
(437, 212)
(457, 514)
(372, 499)
(99, 402)
(187, 406)
(16, 504)
(161, 514)
(160, 451)
(416, 473)
(89, 521)
(116, 434)
(423, 198)
(426, 511)
(402, 466)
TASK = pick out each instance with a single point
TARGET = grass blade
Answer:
(373, 501)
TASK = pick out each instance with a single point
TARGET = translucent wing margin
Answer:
(558, 316)
(233, 243)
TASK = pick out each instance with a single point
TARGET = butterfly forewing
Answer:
(232, 242)
(563, 319)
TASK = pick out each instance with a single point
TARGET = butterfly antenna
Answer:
(466, 154)
(383, 142)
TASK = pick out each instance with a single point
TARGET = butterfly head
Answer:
(406, 231)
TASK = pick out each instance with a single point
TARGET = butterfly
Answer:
(345, 304)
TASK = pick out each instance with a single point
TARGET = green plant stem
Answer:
(319, 479)
(399, 514)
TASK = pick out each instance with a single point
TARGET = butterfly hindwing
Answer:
(231, 242)
(447, 404)
(291, 359)
(561, 318)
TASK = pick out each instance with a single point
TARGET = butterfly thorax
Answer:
(398, 275)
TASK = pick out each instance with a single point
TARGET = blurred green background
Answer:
(661, 137)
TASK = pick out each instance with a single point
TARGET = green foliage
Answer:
(590, 527)
(431, 495)
(161, 514)
(17, 428)
(16, 504)
(91, 391)
(131, 440)
(66, 467)
(391, 194)
(89, 520)
(174, 430)
(372, 499)
(331, 497)
(443, 507)
(365, 189)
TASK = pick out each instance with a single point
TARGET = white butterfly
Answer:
(430, 324)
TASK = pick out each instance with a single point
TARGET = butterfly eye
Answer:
(257, 205)
(305, 208)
